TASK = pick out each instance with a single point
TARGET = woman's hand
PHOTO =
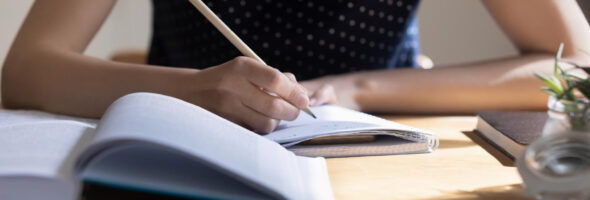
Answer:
(325, 94)
(249, 93)
(339, 90)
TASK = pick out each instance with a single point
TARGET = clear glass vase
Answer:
(566, 116)
(557, 167)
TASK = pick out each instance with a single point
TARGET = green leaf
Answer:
(550, 92)
(584, 87)
(586, 69)
(561, 85)
(553, 83)
(557, 68)
(569, 81)
(577, 77)
(559, 51)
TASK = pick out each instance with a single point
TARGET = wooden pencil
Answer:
(231, 36)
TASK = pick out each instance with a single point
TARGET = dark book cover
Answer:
(508, 132)
(522, 127)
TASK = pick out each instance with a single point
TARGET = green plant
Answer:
(562, 85)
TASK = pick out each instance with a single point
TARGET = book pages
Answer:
(41, 155)
(175, 124)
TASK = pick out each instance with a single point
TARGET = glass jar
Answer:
(566, 116)
(557, 167)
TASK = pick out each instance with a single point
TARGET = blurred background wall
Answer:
(452, 31)
(128, 27)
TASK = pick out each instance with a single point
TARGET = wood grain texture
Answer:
(459, 169)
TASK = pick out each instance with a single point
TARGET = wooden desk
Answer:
(459, 169)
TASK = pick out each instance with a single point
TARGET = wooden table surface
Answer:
(459, 169)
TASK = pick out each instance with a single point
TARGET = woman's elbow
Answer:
(17, 87)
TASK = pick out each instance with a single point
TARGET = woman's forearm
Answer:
(500, 84)
(71, 83)
(535, 29)
(46, 68)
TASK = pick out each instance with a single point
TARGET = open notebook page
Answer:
(177, 124)
(332, 120)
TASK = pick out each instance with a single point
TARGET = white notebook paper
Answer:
(390, 137)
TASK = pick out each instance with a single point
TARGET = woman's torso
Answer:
(308, 38)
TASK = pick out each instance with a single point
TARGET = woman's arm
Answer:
(46, 69)
(535, 27)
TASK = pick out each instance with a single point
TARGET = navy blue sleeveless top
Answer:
(309, 38)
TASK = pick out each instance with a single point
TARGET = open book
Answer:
(157, 144)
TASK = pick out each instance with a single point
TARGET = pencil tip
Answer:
(308, 111)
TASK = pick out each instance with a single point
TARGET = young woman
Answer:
(343, 49)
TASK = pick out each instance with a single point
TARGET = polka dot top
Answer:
(309, 38)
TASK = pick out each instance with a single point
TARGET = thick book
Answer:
(157, 144)
(510, 132)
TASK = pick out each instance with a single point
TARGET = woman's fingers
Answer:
(250, 93)
(268, 105)
(291, 76)
(324, 95)
(258, 122)
(276, 82)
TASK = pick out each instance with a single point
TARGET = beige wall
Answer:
(12, 14)
(127, 27)
(455, 31)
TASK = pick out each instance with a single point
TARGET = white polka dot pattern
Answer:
(309, 38)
